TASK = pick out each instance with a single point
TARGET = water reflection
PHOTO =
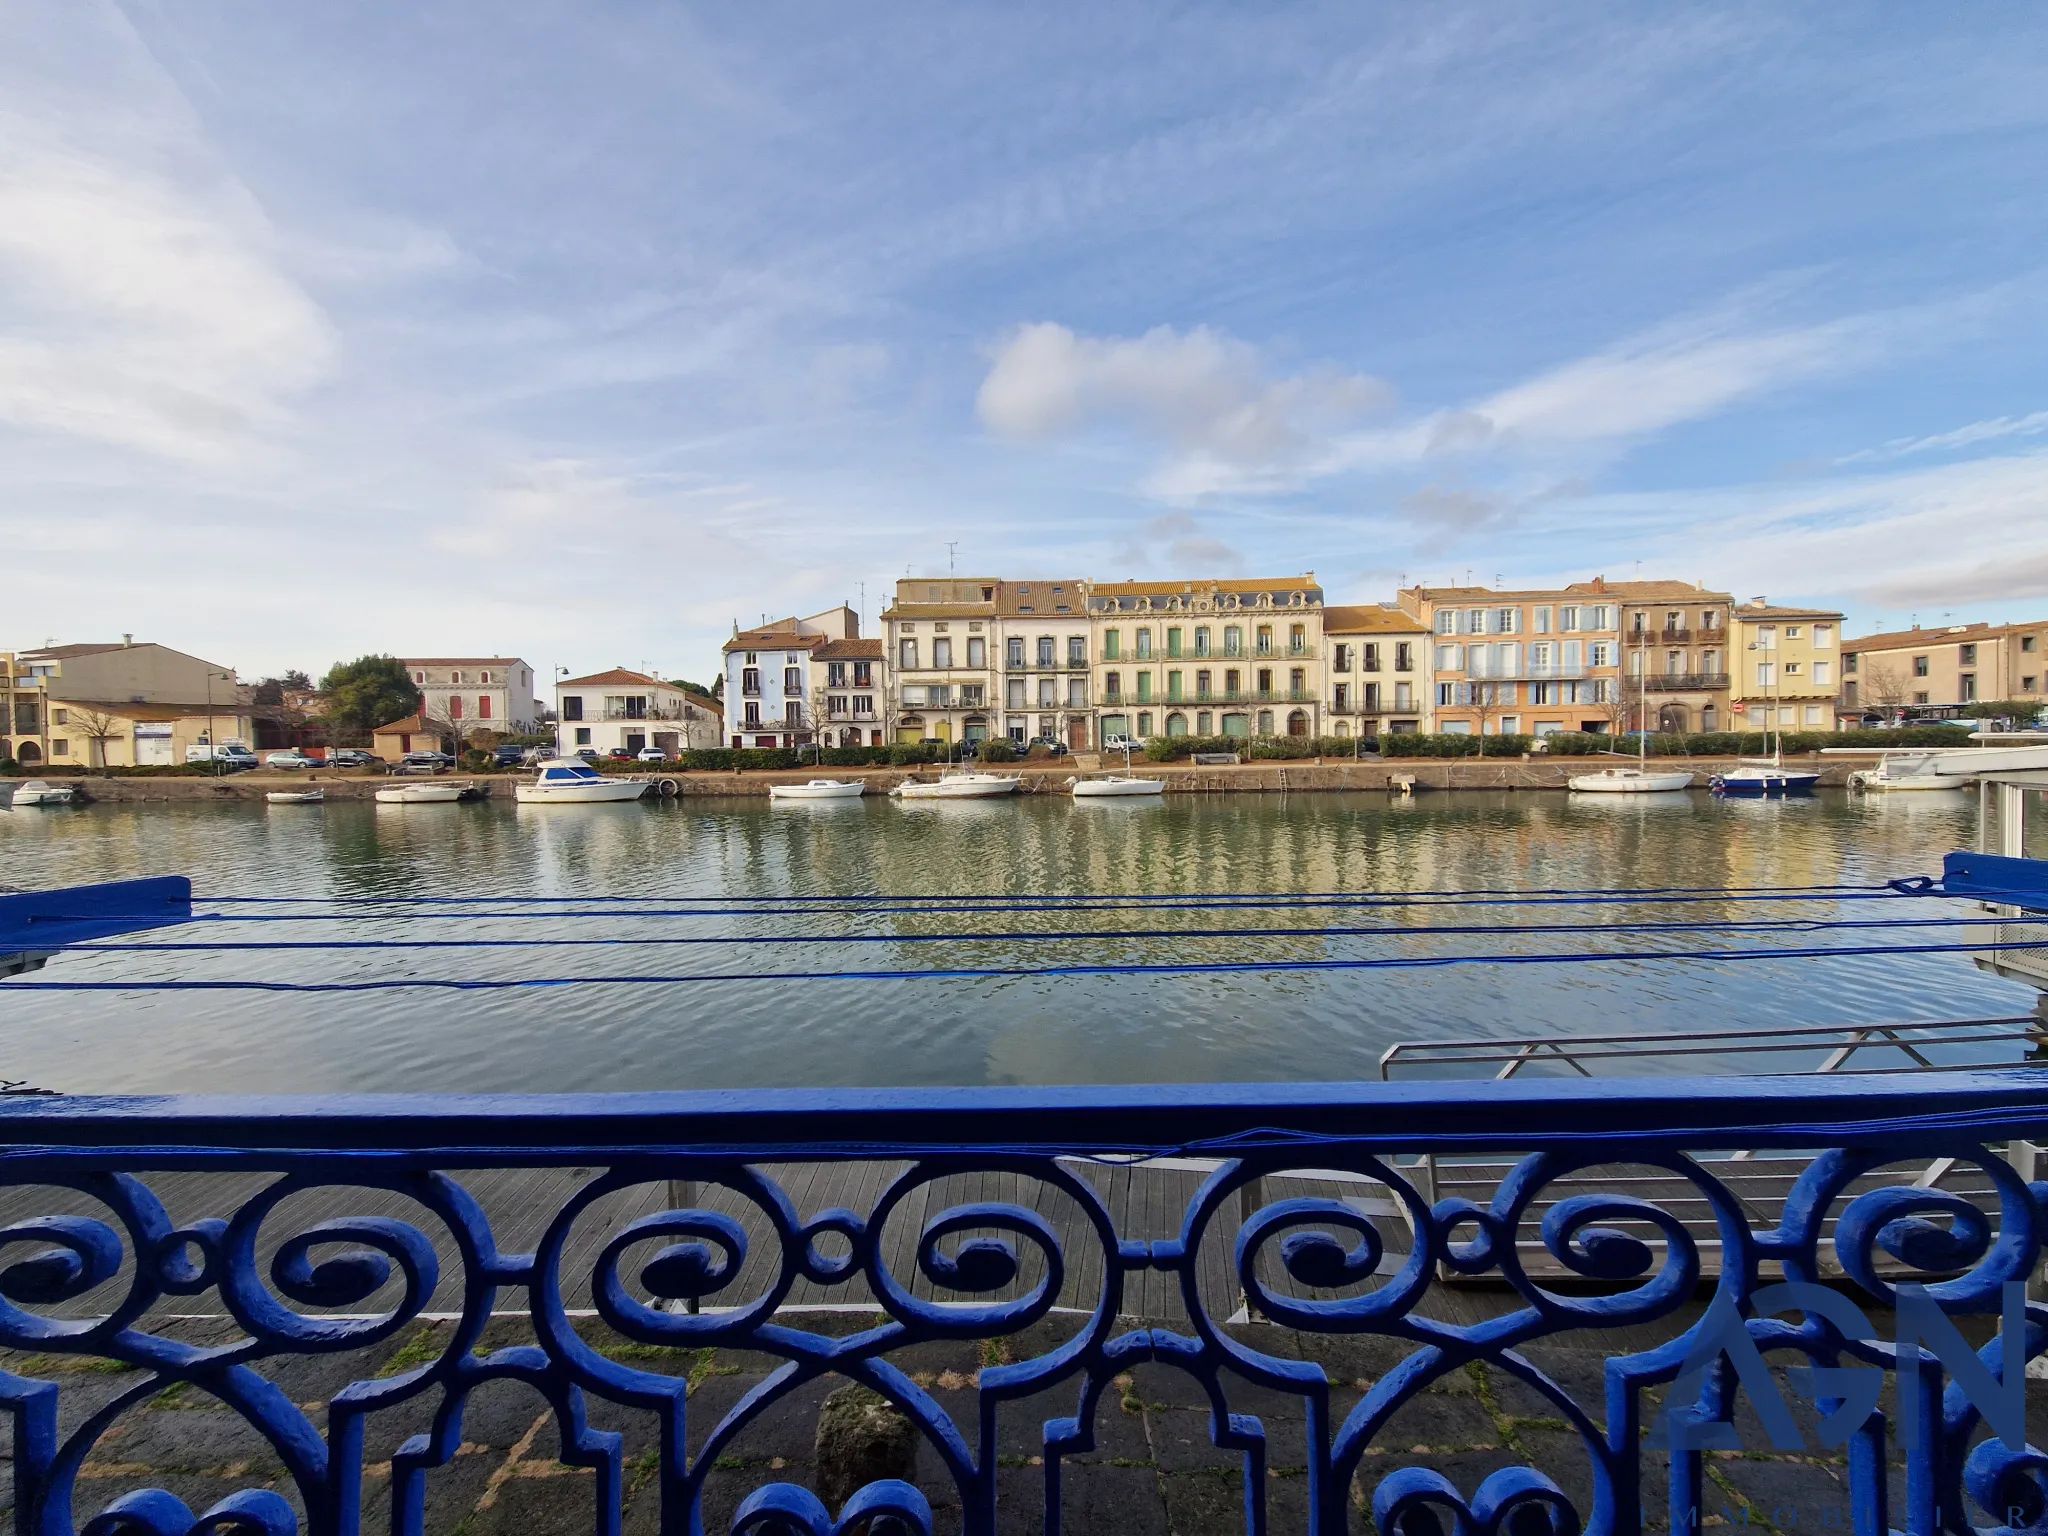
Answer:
(1029, 1028)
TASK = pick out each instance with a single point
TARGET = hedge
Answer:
(1754, 743)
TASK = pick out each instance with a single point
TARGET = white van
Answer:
(229, 754)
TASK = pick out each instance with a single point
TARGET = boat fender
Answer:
(668, 789)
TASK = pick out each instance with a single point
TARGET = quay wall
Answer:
(1265, 777)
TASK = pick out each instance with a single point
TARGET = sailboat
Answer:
(1118, 786)
(1767, 777)
(1638, 780)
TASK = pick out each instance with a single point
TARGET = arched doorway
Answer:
(28, 752)
(1176, 724)
(1297, 722)
(1671, 720)
(1342, 727)
(910, 729)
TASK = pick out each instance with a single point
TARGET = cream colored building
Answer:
(967, 658)
(1937, 671)
(486, 693)
(776, 678)
(1595, 656)
(1208, 658)
(1787, 668)
(621, 710)
(1378, 671)
(118, 705)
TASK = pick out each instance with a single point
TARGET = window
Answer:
(1112, 644)
(484, 678)
(59, 747)
(1371, 702)
(835, 704)
(454, 706)
(1144, 686)
(792, 714)
(1967, 687)
(1077, 650)
(753, 717)
(1966, 656)
(1233, 640)
(1765, 674)
(1013, 693)
(583, 732)
(1541, 623)
(906, 655)
(835, 674)
(863, 674)
(1919, 666)
(1046, 646)
(483, 706)
(1297, 638)
(1822, 672)
(1202, 684)
(1404, 658)
(1077, 693)
(1013, 652)
(1173, 684)
(1450, 658)
(2026, 642)
(1113, 685)
(1813, 714)
(1791, 669)
(792, 681)
(1791, 631)
(1601, 653)
(1201, 639)
(1340, 661)
(419, 677)
(751, 658)
(1823, 636)
(1048, 692)
(1173, 642)
(1446, 621)
(1264, 639)
(60, 717)
(455, 677)
(977, 652)
(1509, 621)
(1849, 664)
(1265, 679)
(2028, 684)
(942, 653)
(572, 705)
(1568, 619)
(1144, 644)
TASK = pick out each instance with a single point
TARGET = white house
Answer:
(799, 680)
(490, 693)
(629, 711)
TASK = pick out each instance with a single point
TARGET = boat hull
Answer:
(59, 794)
(1115, 789)
(1629, 782)
(611, 791)
(422, 794)
(297, 797)
(1764, 785)
(820, 790)
(955, 789)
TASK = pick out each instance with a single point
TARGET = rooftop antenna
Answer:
(951, 546)
(1496, 578)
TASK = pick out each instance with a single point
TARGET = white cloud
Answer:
(139, 303)
(1203, 393)
(1962, 437)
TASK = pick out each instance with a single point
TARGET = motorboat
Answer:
(37, 792)
(819, 789)
(297, 797)
(1117, 786)
(1630, 781)
(1767, 777)
(572, 781)
(425, 792)
(962, 785)
(1904, 771)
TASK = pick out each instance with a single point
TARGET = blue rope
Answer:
(991, 973)
(1795, 925)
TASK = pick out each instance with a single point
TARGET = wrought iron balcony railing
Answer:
(364, 1284)
(1680, 682)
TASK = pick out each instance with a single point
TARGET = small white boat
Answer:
(1898, 771)
(423, 792)
(297, 797)
(572, 781)
(1117, 785)
(818, 789)
(1764, 778)
(1630, 781)
(959, 786)
(36, 792)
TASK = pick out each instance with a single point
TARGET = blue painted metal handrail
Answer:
(1306, 1265)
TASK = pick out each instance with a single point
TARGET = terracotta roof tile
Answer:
(1371, 619)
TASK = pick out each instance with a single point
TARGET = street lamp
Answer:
(213, 746)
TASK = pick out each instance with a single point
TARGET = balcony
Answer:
(1529, 673)
(1681, 682)
(1282, 653)
(1335, 1215)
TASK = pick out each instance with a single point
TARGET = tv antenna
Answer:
(951, 546)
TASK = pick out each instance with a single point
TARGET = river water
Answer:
(348, 859)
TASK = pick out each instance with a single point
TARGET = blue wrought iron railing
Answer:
(629, 1235)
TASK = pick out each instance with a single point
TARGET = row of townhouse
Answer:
(1079, 662)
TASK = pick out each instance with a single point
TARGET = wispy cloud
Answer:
(1962, 437)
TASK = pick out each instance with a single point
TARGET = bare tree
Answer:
(98, 727)
(1486, 705)
(1884, 686)
(453, 732)
(1622, 703)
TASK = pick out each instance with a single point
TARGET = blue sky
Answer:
(579, 331)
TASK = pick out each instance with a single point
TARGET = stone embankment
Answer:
(1421, 775)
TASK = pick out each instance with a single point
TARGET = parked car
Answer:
(532, 755)
(652, 755)
(351, 757)
(230, 755)
(588, 754)
(508, 757)
(1053, 746)
(426, 759)
(620, 754)
(291, 757)
(1115, 743)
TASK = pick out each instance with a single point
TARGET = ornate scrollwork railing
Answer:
(1611, 1208)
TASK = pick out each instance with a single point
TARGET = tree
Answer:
(97, 727)
(1622, 702)
(1485, 705)
(1884, 686)
(368, 692)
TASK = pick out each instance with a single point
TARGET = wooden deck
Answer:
(1145, 1201)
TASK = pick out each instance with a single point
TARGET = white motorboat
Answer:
(297, 797)
(819, 789)
(572, 781)
(1897, 771)
(423, 792)
(1117, 786)
(36, 792)
(959, 786)
(1630, 781)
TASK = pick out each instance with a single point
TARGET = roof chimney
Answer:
(126, 641)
